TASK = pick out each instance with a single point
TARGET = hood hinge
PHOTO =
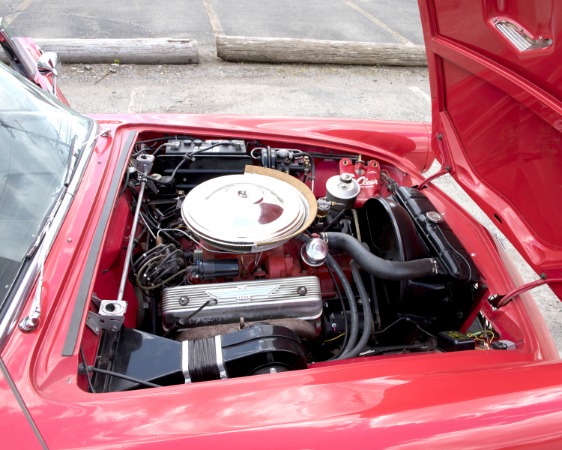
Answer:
(499, 301)
(445, 165)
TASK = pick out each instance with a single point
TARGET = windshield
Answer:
(36, 133)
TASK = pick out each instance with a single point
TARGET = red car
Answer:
(246, 282)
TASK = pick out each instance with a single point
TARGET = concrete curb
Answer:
(312, 51)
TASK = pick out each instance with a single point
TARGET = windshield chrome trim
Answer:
(23, 291)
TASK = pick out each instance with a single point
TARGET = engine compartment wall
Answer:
(282, 261)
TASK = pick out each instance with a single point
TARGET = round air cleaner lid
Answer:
(245, 213)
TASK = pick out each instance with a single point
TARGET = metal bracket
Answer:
(143, 163)
(93, 322)
(110, 317)
(220, 357)
(152, 186)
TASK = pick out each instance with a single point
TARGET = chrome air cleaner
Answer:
(246, 213)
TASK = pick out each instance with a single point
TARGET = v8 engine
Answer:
(246, 258)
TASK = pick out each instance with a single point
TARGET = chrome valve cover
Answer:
(296, 298)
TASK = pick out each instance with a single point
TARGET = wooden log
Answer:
(283, 50)
(123, 51)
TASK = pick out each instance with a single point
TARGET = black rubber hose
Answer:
(344, 315)
(382, 268)
(375, 299)
(354, 328)
(367, 317)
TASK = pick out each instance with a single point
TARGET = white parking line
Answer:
(416, 90)
(136, 101)
(21, 8)
(378, 23)
(213, 17)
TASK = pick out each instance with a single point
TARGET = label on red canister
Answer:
(367, 175)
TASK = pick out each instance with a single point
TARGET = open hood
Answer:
(496, 83)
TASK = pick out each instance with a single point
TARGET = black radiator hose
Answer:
(354, 313)
(382, 268)
(367, 315)
(348, 290)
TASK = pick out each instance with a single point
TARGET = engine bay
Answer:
(227, 258)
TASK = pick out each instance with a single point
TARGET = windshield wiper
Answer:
(71, 162)
(47, 224)
(31, 321)
(73, 155)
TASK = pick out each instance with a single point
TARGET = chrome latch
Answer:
(519, 38)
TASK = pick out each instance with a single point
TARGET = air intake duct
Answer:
(261, 348)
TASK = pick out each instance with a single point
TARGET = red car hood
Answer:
(497, 114)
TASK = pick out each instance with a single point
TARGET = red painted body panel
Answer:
(13, 419)
(31, 52)
(485, 398)
(499, 111)
(404, 144)
(440, 400)
(477, 398)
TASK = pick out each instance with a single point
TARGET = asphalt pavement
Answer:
(384, 21)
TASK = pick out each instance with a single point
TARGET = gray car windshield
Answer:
(36, 133)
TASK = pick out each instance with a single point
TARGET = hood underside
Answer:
(496, 82)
